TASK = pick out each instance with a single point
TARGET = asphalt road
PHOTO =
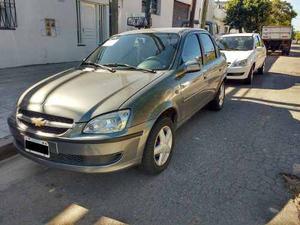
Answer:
(225, 170)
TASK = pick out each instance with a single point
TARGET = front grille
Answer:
(45, 129)
(53, 124)
(33, 114)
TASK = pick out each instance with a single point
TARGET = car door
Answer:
(263, 50)
(259, 51)
(213, 67)
(192, 84)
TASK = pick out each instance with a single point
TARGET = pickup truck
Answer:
(277, 38)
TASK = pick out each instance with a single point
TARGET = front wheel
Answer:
(159, 147)
(249, 79)
(261, 70)
(218, 102)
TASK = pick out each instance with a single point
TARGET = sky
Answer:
(296, 21)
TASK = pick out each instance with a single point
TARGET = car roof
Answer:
(239, 35)
(175, 30)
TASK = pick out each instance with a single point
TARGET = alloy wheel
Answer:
(163, 146)
(222, 94)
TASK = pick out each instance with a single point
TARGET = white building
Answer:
(50, 31)
(166, 13)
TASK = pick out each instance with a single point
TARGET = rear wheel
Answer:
(218, 102)
(159, 147)
(261, 70)
(249, 79)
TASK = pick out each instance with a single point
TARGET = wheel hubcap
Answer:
(222, 94)
(163, 145)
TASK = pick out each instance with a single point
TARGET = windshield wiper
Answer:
(99, 65)
(130, 67)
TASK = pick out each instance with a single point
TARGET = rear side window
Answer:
(209, 49)
(191, 49)
(260, 42)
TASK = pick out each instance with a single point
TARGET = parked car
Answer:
(211, 27)
(245, 53)
(122, 105)
(278, 38)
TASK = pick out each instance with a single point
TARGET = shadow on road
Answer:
(224, 171)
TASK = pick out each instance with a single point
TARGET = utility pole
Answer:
(204, 13)
(192, 15)
(148, 13)
(113, 17)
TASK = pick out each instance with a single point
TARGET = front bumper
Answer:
(238, 73)
(84, 155)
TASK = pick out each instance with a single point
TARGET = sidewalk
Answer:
(14, 81)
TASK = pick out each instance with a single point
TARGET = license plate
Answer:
(37, 147)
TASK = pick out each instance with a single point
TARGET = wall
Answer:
(134, 8)
(28, 44)
(220, 15)
(129, 8)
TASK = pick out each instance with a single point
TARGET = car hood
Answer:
(233, 56)
(84, 94)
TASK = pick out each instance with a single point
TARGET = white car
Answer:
(245, 53)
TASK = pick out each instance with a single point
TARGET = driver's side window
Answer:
(191, 49)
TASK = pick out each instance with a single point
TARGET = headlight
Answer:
(240, 63)
(108, 123)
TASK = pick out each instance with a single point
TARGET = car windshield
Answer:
(236, 43)
(153, 51)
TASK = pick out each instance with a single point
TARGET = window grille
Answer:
(8, 15)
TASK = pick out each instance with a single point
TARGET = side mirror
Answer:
(189, 67)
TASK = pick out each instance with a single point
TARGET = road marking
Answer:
(73, 213)
(69, 215)
(108, 221)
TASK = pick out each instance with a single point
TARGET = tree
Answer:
(282, 13)
(257, 13)
(252, 15)
(248, 14)
(235, 14)
(297, 36)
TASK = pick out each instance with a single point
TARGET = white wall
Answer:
(129, 8)
(28, 44)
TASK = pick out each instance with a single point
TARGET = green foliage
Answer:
(297, 36)
(252, 15)
(282, 13)
(235, 14)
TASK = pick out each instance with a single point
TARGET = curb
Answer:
(7, 148)
(289, 215)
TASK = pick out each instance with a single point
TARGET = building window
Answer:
(154, 6)
(8, 17)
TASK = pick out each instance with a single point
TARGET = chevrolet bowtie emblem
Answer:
(38, 122)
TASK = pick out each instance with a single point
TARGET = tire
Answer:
(261, 70)
(218, 102)
(249, 79)
(287, 53)
(150, 162)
